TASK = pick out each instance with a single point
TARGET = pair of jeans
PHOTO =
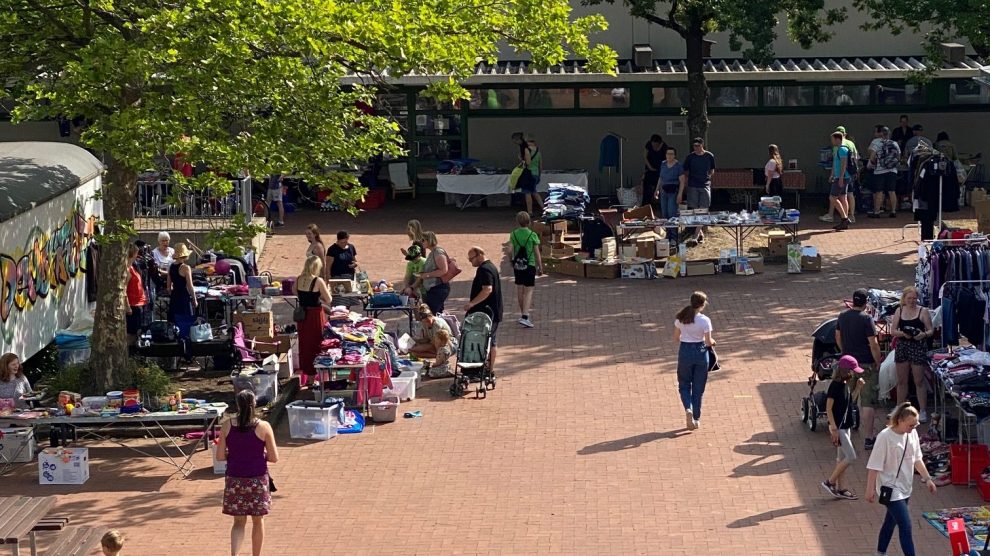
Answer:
(692, 375)
(897, 516)
(668, 204)
(436, 297)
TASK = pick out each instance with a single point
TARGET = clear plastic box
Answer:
(313, 420)
(264, 386)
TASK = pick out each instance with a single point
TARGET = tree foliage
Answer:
(752, 28)
(249, 84)
(935, 21)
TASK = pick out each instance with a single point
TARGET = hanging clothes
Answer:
(608, 153)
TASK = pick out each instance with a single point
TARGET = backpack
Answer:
(520, 261)
(889, 156)
(852, 164)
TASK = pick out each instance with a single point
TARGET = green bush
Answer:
(70, 378)
(152, 380)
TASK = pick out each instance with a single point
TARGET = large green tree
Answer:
(751, 27)
(247, 84)
(934, 21)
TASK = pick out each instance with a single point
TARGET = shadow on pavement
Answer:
(631, 442)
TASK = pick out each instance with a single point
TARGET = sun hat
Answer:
(181, 251)
(849, 362)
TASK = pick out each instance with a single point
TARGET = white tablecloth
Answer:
(495, 184)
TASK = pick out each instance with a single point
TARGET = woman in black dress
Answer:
(912, 326)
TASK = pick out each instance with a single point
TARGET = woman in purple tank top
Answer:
(248, 445)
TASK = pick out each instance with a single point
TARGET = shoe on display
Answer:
(825, 218)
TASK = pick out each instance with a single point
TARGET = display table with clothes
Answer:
(475, 187)
(355, 351)
(99, 425)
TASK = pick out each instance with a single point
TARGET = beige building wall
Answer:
(737, 141)
(30, 131)
(849, 39)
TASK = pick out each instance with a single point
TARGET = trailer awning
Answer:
(32, 173)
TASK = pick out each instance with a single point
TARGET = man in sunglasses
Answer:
(486, 294)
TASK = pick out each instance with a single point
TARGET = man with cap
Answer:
(885, 155)
(919, 136)
(856, 335)
(843, 391)
(850, 194)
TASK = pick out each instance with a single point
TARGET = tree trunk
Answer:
(697, 84)
(109, 361)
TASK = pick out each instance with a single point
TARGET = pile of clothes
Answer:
(966, 375)
(348, 339)
(565, 201)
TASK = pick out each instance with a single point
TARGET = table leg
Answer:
(34, 543)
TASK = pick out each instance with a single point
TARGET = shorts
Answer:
(525, 278)
(884, 183)
(273, 196)
(527, 182)
(845, 452)
(494, 330)
(870, 395)
(698, 197)
(134, 320)
(837, 190)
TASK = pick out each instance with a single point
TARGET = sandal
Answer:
(847, 494)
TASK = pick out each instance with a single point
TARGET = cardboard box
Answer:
(561, 251)
(608, 271)
(811, 263)
(700, 268)
(286, 365)
(63, 466)
(639, 213)
(639, 271)
(551, 231)
(646, 248)
(17, 445)
(282, 343)
(567, 267)
(662, 247)
(256, 324)
(628, 251)
(756, 262)
(609, 251)
(982, 215)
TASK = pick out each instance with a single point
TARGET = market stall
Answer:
(475, 187)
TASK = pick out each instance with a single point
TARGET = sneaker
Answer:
(689, 421)
(825, 218)
(846, 494)
(842, 225)
(697, 424)
(868, 444)
(874, 214)
(852, 218)
(527, 323)
(828, 487)
(892, 215)
(923, 418)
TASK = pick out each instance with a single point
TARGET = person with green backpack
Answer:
(527, 264)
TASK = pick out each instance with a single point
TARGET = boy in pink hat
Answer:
(843, 392)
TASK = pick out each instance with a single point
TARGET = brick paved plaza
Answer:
(581, 449)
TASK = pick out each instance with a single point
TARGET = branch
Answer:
(52, 18)
(667, 23)
(111, 19)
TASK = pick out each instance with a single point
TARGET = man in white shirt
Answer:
(884, 157)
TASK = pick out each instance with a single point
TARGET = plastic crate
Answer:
(384, 409)
(967, 461)
(264, 386)
(313, 420)
(405, 386)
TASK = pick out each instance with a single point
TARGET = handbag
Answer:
(201, 331)
(514, 176)
(163, 331)
(887, 492)
(452, 270)
(299, 313)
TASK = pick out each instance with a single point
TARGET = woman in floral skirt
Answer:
(248, 445)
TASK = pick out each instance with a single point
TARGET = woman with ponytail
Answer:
(248, 446)
(694, 332)
(895, 458)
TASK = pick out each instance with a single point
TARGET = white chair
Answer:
(398, 174)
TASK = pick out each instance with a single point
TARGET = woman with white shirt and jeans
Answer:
(896, 456)
(694, 332)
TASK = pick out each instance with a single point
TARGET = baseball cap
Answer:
(849, 362)
(840, 129)
(918, 127)
(859, 298)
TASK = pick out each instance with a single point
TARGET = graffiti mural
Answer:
(47, 262)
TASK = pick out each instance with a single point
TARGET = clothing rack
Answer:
(985, 289)
(922, 148)
(622, 141)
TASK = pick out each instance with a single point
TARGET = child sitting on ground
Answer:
(112, 543)
(445, 350)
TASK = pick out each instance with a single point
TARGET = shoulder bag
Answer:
(452, 269)
(201, 331)
(886, 492)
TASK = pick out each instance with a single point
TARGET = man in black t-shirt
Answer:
(856, 335)
(486, 294)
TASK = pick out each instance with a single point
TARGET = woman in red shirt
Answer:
(135, 297)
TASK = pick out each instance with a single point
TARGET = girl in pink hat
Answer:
(843, 392)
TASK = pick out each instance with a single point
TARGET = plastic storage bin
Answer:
(313, 420)
(264, 386)
(967, 462)
(385, 408)
(219, 467)
(405, 386)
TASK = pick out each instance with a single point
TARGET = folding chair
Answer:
(398, 174)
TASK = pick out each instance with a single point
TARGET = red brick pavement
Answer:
(580, 450)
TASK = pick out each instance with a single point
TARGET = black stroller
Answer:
(824, 357)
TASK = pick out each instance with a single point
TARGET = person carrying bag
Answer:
(892, 486)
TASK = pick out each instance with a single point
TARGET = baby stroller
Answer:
(824, 357)
(472, 357)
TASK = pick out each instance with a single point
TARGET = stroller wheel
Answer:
(813, 421)
(805, 409)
